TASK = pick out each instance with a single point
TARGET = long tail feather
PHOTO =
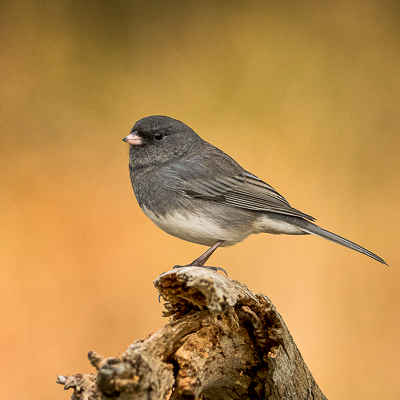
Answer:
(309, 227)
(317, 231)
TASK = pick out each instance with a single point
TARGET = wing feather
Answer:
(243, 190)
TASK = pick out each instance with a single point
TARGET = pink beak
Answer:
(133, 139)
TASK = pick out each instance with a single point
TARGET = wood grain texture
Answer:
(222, 342)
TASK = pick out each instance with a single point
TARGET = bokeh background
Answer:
(305, 95)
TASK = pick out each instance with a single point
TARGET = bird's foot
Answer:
(200, 261)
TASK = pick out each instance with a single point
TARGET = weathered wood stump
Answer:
(222, 342)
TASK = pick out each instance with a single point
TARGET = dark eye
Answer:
(158, 136)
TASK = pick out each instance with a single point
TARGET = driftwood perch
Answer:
(222, 342)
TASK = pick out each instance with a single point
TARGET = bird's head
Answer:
(160, 139)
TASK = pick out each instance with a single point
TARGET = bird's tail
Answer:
(309, 227)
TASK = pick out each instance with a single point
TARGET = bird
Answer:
(194, 191)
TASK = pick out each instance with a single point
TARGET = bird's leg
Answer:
(200, 261)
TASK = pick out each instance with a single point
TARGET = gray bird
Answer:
(196, 192)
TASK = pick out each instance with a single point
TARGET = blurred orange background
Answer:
(306, 95)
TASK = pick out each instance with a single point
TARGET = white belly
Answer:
(196, 228)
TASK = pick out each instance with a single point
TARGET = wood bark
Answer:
(222, 342)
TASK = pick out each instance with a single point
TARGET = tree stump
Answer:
(223, 342)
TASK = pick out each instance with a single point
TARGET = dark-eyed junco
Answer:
(196, 192)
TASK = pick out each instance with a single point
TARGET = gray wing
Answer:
(240, 189)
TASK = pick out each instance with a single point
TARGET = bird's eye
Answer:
(158, 136)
